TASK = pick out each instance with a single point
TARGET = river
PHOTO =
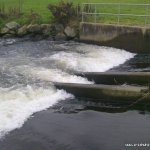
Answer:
(27, 72)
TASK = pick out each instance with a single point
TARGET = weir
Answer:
(30, 71)
(29, 68)
(133, 39)
(120, 93)
(141, 78)
(106, 89)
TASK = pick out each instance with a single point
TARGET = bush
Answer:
(63, 12)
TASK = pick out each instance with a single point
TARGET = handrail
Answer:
(146, 13)
(125, 4)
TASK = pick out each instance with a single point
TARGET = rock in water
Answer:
(70, 32)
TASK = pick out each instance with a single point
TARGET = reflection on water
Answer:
(77, 105)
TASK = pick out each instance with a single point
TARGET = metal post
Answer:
(95, 13)
(146, 14)
(119, 13)
(82, 12)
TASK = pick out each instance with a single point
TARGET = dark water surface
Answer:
(71, 124)
(86, 130)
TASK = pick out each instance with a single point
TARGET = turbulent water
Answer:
(28, 70)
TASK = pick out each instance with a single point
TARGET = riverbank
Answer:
(133, 39)
(40, 31)
(39, 12)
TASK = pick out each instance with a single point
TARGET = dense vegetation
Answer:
(65, 12)
(36, 11)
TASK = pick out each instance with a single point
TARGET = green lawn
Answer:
(40, 6)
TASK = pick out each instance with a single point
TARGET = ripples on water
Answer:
(27, 70)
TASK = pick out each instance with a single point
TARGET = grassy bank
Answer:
(37, 9)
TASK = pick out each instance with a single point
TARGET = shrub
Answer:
(63, 12)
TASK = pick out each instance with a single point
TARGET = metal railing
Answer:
(94, 8)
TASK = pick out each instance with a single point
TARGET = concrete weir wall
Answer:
(133, 39)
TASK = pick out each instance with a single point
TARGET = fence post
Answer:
(82, 12)
(95, 13)
(146, 14)
(119, 13)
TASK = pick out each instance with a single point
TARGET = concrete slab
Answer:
(140, 78)
(107, 92)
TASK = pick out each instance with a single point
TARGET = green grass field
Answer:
(40, 6)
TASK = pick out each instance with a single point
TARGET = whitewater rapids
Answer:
(28, 69)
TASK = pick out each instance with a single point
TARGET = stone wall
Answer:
(39, 31)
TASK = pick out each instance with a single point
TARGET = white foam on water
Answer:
(7, 41)
(53, 75)
(17, 105)
(91, 58)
